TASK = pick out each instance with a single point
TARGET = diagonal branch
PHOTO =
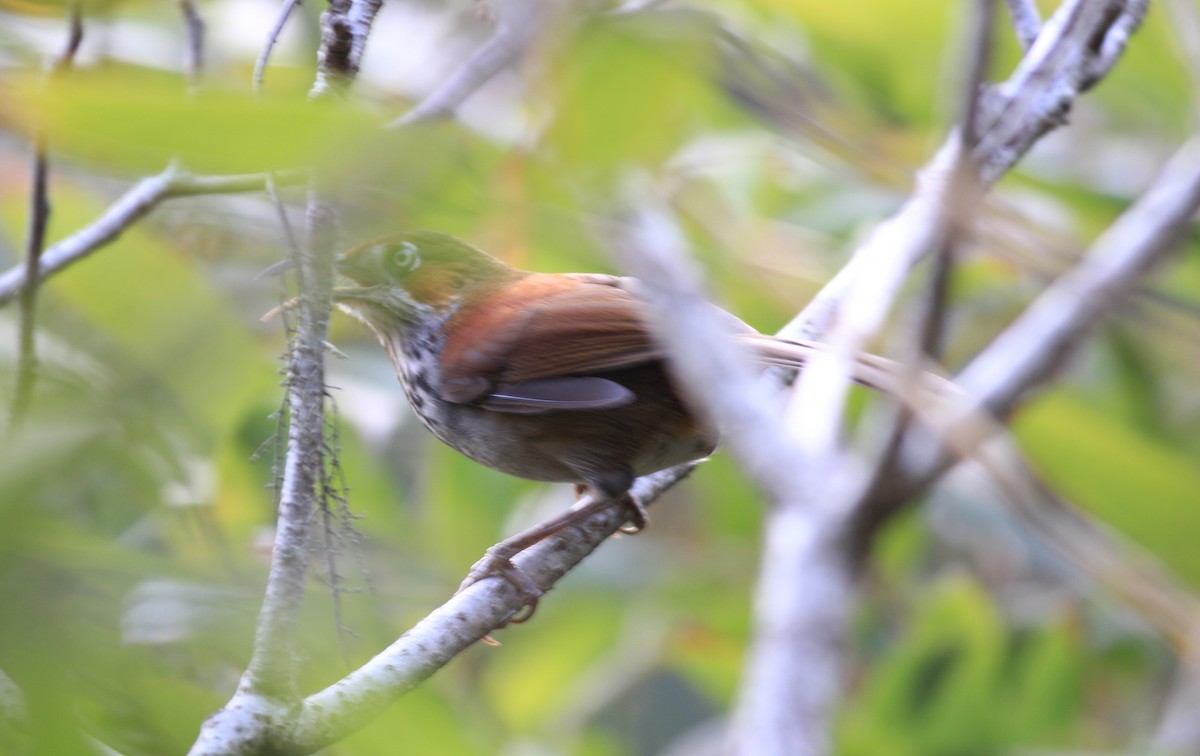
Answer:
(517, 26)
(260, 65)
(132, 206)
(1026, 21)
(1030, 349)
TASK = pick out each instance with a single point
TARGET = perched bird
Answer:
(550, 377)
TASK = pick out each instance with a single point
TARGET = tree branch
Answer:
(35, 243)
(260, 65)
(1026, 21)
(345, 27)
(136, 203)
(260, 715)
(193, 24)
(1036, 343)
(805, 589)
(517, 25)
(1044, 335)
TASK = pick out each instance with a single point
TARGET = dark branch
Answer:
(260, 66)
(35, 243)
(193, 23)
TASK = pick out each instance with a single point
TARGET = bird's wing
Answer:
(537, 346)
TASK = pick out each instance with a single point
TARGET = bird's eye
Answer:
(404, 258)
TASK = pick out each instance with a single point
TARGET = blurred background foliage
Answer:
(134, 501)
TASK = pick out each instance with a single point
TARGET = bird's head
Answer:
(402, 279)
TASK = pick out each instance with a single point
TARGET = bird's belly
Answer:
(576, 446)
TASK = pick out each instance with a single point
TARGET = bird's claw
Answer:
(638, 519)
(497, 562)
(494, 564)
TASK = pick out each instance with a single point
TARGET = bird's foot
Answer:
(497, 562)
(638, 519)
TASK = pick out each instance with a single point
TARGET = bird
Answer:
(553, 377)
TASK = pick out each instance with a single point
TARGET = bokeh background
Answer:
(135, 502)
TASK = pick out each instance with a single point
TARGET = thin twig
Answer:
(964, 178)
(1038, 341)
(39, 218)
(962, 197)
(518, 25)
(193, 23)
(27, 360)
(260, 66)
(1014, 115)
(1026, 21)
(146, 195)
(74, 37)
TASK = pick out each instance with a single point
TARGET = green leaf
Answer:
(630, 91)
(139, 120)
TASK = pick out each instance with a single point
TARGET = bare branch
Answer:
(1137, 579)
(964, 192)
(27, 361)
(345, 27)
(1026, 21)
(193, 23)
(1030, 349)
(806, 589)
(467, 617)
(1040, 339)
(1017, 113)
(272, 671)
(331, 714)
(259, 716)
(1114, 39)
(979, 59)
(35, 243)
(518, 24)
(1077, 47)
(260, 66)
(131, 207)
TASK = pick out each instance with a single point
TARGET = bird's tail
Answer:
(874, 372)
